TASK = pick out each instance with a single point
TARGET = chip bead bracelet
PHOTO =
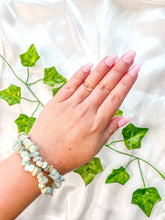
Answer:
(24, 141)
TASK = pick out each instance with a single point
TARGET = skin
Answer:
(71, 129)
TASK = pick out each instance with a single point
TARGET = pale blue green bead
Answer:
(31, 167)
(56, 184)
(49, 190)
(35, 154)
(35, 171)
(39, 163)
(24, 154)
(44, 165)
(47, 168)
(53, 171)
(43, 180)
(27, 143)
(35, 159)
(27, 158)
(41, 185)
(17, 146)
(25, 163)
(40, 175)
(54, 177)
(33, 149)
(61, 178)
(27, 167)
(22, 137)
(39, 170)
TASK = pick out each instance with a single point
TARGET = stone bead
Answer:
(21, 150)
(44, 165)
(32, 167)
(33, 149)
(49, 190)
(44, 190)
(40, 175)
(35, 159)
(21, 133)
(39, 163)
(56, 184)
(39, 170)
(35, 154)
(17, 146)
(24, 154)
(27, 143)
(53, 171)
(61, 178)
(54, 177)
(35, 171)
(25, 163)
(23, 137)
(27, 167)
(26, 159)
(47, 168)
(43, 180)
(41, 186)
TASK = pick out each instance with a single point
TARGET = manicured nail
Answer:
(134, 70)
(124, 121)
(111, 59)
(87, 67)
(129, 56)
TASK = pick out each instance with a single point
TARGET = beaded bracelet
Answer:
(24, 141)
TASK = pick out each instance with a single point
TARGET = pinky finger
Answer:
(73, 83)
(114, 124)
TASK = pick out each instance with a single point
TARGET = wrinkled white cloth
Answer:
(68, 34)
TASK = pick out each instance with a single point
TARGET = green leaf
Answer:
(118, 176)
(30, 57)
(133, 136)
(52, 77)
(55, 90)
(118, 113)
(90, 170)
(24, 123)
(146, 199)
(12, 94)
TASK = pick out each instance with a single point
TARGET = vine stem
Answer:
(141, 173)
(35, 82)
(130, 155)
(28, 99)
(129, 163)
(27, 75)
(35, 109)
(22, 80)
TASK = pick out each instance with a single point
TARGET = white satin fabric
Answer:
(68, 34)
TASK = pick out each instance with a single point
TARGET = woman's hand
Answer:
(78, 121)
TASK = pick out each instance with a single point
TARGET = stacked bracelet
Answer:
(23, 145)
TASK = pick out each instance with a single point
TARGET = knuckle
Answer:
(104, 87)
(117, 69)
(87, 87)
(116, 98)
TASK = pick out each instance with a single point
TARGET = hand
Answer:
(78, 121)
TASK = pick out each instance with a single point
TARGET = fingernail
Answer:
(111, 59)
(129, 56)
(134, 70)
(87, 67)
(124, 121)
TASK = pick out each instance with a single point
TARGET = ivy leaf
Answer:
(133, 136)
(12, 94)
(90, 170)
(24, 123)
(52, 77)
(118, 176)
(118, 113)
(55, 90)
(30, 57)
(146, 199)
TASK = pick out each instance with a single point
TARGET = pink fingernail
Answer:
(111, 59)
(87, 67)
(124, 121)
(129, 56)
(134, 71)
